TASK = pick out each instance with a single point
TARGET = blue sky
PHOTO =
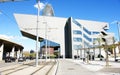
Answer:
(96, 10)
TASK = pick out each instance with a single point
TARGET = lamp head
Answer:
(103, 33)
(104, 39)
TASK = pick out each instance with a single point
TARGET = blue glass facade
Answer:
(83, 32)
(77, 32)
(76, 39)
(86, 44)
(77, 23)
(96, 32)
(87, 38)
(87, 31)
(76, 35)
(77, 47)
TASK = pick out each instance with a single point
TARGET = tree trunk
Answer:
(107, 58)
(119, 48)
(115, 54)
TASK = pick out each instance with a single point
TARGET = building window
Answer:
(77, 47)
(77, 32)
(77, 39)
(86, 31)
(76, 23)
(96, 32)
(86, 37)
(87, 45)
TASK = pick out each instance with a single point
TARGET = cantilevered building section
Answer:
(72, 34)
(55, 28)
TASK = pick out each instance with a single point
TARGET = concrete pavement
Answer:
(100, 67)
(77, 67)
(69, 67)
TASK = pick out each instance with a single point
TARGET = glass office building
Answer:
(76, 38)
(71, 34)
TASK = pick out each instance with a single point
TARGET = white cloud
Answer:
(12, 37)
(0, 12)
(114, 22)
(4, 36)
(42, 5)
(18, 37)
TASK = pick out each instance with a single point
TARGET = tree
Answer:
(99, 41)
(31, 51)
(112, 47)
(106, 46)
(119, 46)
(26, 53)
(32, 54)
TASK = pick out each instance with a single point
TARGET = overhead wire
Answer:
(1, 12)
(8, 16)
(3, 1)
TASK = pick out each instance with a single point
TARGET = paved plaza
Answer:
(99, 67)
(68, 67)
(72, 67)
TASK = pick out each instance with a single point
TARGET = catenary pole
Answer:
(38, 2)
(118, 30)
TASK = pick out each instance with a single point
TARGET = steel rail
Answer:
(15, 69)
(53, 64)
(44, 65)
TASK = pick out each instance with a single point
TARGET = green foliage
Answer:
(52, 56)
(26, 54)
(32, 54)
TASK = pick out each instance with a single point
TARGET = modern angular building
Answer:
(71, 34)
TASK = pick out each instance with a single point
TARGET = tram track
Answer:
(15, 69)
(44, 68)
(39, 68)
(47, 73)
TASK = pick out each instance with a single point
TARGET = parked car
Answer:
(21, 59)
(13, 59)
(8, 59)
(117, 58)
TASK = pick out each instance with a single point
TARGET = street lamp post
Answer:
(49, 45)
(46, 44)
(94, 50)
(38, 1)
(118, 25)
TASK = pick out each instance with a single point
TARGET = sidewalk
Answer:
(100, 66)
